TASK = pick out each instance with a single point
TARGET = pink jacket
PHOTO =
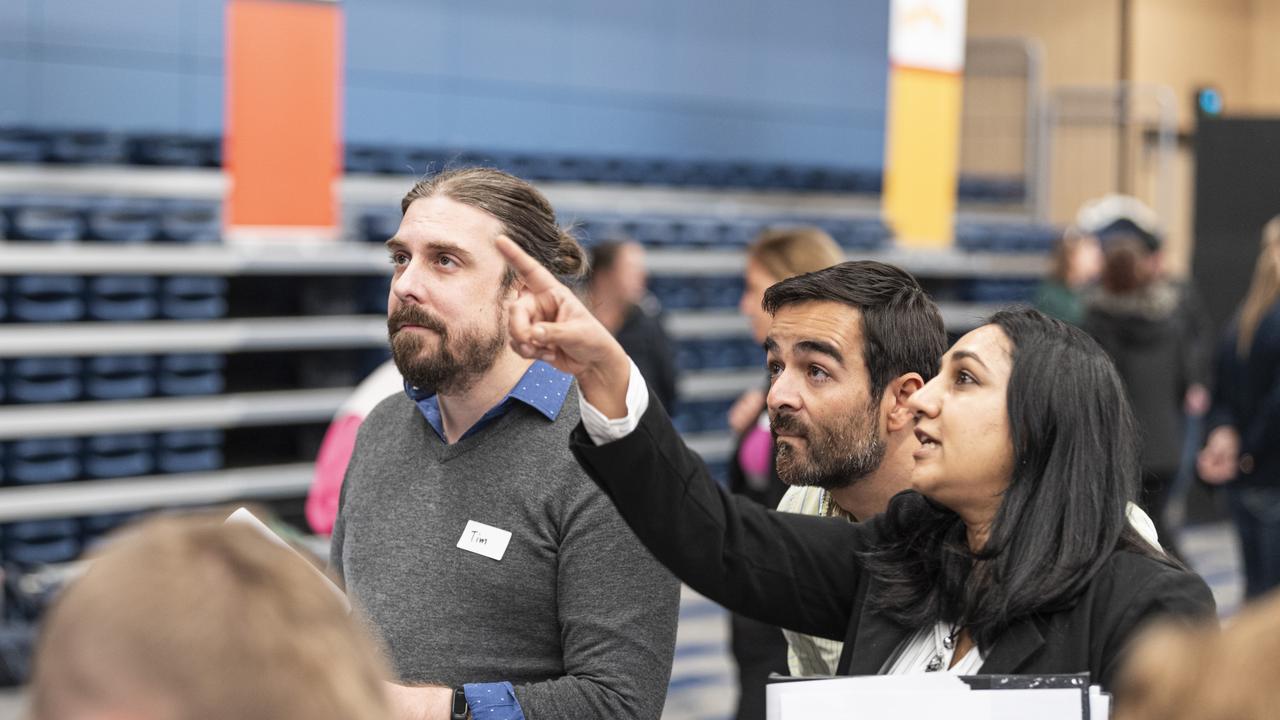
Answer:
(340, 441)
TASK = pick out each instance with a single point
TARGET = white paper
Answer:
(837, 694)
(242, 516)
(1099, 704)
(485, 540)
(928, 696)
(1041, 704)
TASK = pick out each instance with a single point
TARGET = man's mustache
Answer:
(787, 424)
(413, 315)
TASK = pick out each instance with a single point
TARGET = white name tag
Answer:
(485, 540)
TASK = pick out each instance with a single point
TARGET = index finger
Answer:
(536, 277)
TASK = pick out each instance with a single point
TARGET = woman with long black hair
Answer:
(1011, 555)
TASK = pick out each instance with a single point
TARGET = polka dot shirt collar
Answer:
(542, 387)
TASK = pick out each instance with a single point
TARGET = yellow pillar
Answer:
(922, 143)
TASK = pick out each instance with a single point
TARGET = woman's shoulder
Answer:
(1132, 584)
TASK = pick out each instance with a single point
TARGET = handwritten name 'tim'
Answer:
(477, 538)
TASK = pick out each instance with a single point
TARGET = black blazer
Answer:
(802, 573)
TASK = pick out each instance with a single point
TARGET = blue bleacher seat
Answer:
(676, 292)
(193, 298)
(686, 422)
(190, 222)
(378, 227)
(719, 471)
(721, 354)
(870, 235)
(530, 166)
(721, 292)
(44, 380)
(366, 159)
(96, 525)
(740, 233)
(175, 150)
(189, 451)
(95, 528)
(570, 168)
(404, 161)
(599, 228)
(652, 231)
(122, 297)
(700, 232)
(42, 460)
(41, 542)
(197, 374)
(688, 356)
(87, 146)
(46, 298)
(47, 219)
(113, 456)
(23, 145)
(124, 221)
(1005, 290)
(4, 298)
(4, 381)
(373, 294)
(119, 377)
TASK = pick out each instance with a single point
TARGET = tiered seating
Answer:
(704, 417)
(672, 232)
(32, 543)
(61, 218)
(720, 354)
(82, 146)
(1006, 237)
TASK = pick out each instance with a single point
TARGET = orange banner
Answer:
(282, 146)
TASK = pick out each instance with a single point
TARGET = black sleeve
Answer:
(1170, 596)
(793, 571)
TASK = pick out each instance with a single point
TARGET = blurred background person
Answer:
(1074, 266)
(1243, 446)
(339, 442)
(1155, 331)
(618, 295)
(775, 255)
(181, 619)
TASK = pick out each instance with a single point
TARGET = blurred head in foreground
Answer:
(189, 618)
(1200, 673)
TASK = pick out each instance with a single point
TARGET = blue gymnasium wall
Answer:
(799, 81)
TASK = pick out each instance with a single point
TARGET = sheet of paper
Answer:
(1051, 704)
(924, 695)
(836, 694)
(952, 705)
(1099, 704)
(242, 516)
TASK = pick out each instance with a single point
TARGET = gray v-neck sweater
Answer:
(576, 615)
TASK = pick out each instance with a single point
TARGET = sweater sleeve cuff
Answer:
(493, 701)
(601, 429)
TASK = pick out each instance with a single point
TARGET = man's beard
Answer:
(458, 361)
(832, 458)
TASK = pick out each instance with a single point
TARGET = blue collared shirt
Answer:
(542, 388)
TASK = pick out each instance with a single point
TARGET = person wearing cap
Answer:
(1156, 331)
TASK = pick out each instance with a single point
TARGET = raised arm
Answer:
(547, 321)
(789, 570)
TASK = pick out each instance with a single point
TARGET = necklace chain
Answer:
(943, 646)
